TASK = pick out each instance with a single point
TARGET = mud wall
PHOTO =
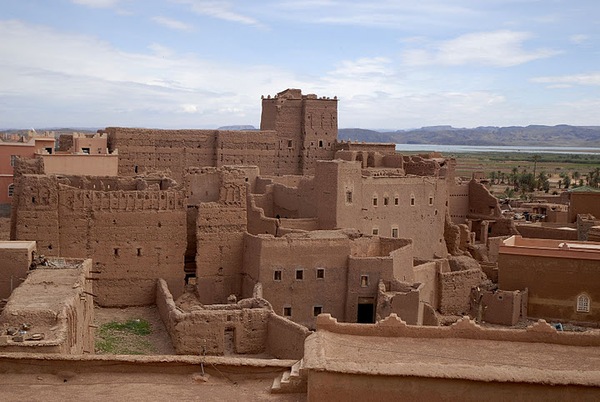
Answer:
(455, 290)
(16, 258)
(63, 315)
(133, 237)
(202, 331)
(285, 339)
(545, 232)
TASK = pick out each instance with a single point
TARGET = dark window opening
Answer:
(396, 201)
(49, 150)
(139, 252)
(386, 201)
(320, 273)
(116, 250)
(317, 310)
(366, 311)
(287, 311)
(299, 274)
(375, 232)
(135, 168)
(320, 143)
(277, 275)
(374, 201)
(349, 197)
(394, 232)
(85, 150)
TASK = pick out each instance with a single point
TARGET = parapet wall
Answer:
(465, 328)
(285, 338)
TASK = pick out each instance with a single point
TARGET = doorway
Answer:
(366, 310)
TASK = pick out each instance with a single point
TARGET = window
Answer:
(320, 143)
(287, 311)
(320, 273)
(349, 197)
(85, 150)
(13, 159)
(374, 201)
(412, 200)
(396, 200)
(116, 250)
(375, 231)
(49, 150)
(395, 232)
(317, 310)
(583, 303)
(139, 252)
(11, 189)
(386, 200)
(277, 275)
(430, 200)
(364, 281)
(290, 144)
(299, 274)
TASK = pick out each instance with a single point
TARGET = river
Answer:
(496, 148)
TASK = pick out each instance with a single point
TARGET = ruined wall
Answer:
(481, 201)
(419, 166)
(249, 148)
(427, 275)
(202, 330)
(498, 307)
(220, 226)
(402, 299)
(455, 290)
(56, 302)
(133, 237)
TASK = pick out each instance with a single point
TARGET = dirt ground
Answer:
(135, 387)
(159, 338)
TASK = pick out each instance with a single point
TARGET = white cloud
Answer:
(172, 23)
(97, 3)
(498, 48)
(579, 39)
(578, 79)
(363, 67)
(219, 9)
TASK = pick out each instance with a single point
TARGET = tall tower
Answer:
(306, 127)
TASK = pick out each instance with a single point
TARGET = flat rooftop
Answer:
(469, 359)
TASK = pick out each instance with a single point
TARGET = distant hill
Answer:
(238, 128)
(534, 135)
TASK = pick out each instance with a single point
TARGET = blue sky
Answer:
(392, 64)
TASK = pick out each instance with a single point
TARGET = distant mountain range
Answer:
(535, 135)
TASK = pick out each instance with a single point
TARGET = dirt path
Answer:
(159, 338)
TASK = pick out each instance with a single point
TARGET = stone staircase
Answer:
(291, 381)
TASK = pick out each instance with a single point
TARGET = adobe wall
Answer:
(81, 164)
(264, 254)
(584, 203)
(458, 202)
(419, 166)
(16, 258)
(427, 275)
(329, 385)
(498, 307)
(545, 232)
(455, 290)
(402, 299)
(551, 295)
(482, 202)
(55, 300)
(202, 330)
(285, 338)
(133, 237)
(220, 195)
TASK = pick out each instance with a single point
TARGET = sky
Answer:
(393, 64)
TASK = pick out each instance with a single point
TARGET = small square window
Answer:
(317, 310)
(299, 274)
(277, 275)
(375, 232)
(290, 143)
(364, 281)
(287, 311)
(320, 273)
(396, 201)
(374, 201)
(395, 232)
(386, 201)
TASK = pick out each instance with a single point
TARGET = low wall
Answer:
(203, 331)
(465, 328)
(545, 232)
(285, 338)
